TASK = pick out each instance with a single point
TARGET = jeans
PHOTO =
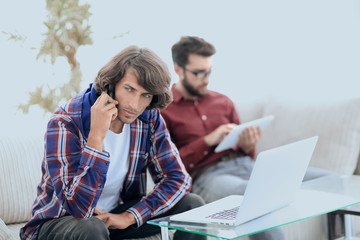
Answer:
(70, 228)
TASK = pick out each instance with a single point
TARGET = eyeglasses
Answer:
(200, 75)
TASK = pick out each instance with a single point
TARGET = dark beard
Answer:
(192, 91)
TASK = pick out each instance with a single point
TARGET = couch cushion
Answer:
(337, 124)
(5, 232)
(20, 173)
(14, 231)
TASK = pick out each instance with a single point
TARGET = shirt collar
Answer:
(176, 94)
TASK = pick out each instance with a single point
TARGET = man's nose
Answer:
(206, 79)
(134, 103)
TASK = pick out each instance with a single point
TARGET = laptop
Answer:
(273, 184)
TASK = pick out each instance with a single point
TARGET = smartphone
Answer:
(111, 93)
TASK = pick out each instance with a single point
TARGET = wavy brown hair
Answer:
(151, 72)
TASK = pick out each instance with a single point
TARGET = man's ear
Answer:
(177, 69)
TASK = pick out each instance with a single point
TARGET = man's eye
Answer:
(128, 89)
(147, 95)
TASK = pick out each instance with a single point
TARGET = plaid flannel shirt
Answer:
(74, 174)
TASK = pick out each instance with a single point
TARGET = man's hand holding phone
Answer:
(103, 112)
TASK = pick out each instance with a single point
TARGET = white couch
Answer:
(337, 124)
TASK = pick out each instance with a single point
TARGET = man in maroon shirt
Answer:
(198, 119)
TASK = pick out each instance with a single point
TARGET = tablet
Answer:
(232, 138)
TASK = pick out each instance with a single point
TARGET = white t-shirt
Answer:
(118, 146)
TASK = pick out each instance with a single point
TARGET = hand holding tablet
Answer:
(233, 137)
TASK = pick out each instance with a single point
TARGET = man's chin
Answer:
(127, 119)
(202, 93)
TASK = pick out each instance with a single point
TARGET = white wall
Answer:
(291, 49)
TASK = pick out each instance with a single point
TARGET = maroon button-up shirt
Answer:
(190, 121)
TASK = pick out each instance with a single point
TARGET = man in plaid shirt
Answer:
(98, 147)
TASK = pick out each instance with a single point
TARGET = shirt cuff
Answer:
(141, 212)
(95, 159)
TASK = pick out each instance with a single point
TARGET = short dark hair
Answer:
(190, 45)
(151, 72)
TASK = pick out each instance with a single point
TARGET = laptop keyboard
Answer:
(229, 214)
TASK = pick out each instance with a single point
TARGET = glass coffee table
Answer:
(316, 197)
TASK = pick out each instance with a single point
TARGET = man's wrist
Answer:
(95, 142)
(130, 218)
(207, 141)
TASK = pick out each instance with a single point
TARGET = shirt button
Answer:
(206, 153)
(191, 165)
(204, 117)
